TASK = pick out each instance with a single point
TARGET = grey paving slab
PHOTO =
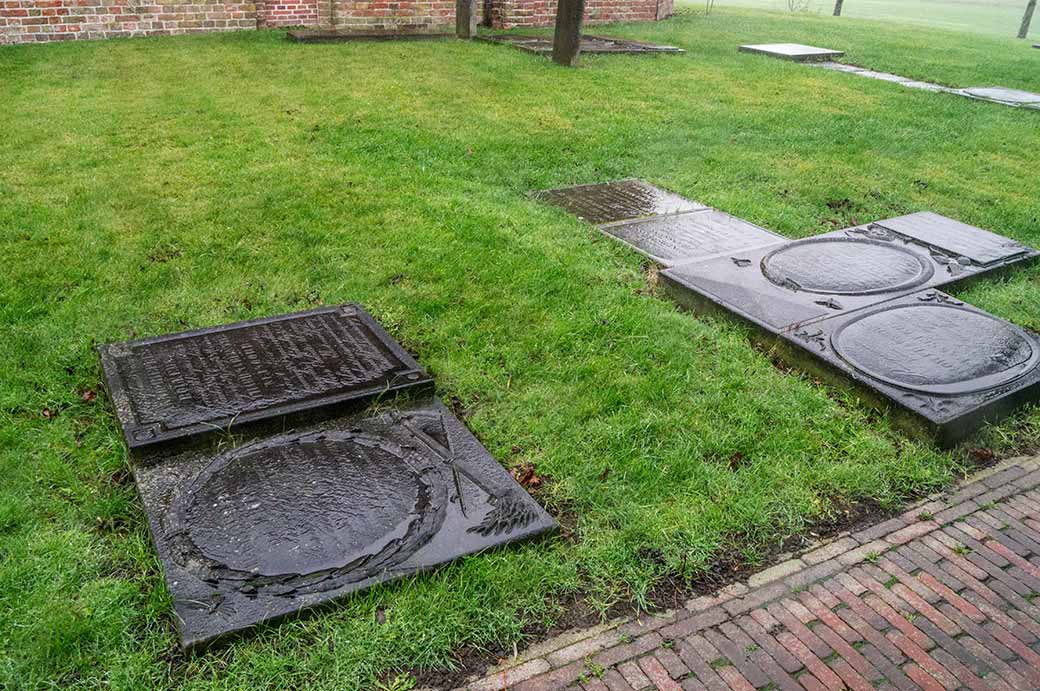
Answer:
(193, 384)
(1000, 94)
(682, 238)
(620, 200)
(285, 522)
(792, 51)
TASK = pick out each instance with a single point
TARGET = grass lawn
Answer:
(998, 18)
(155, 185)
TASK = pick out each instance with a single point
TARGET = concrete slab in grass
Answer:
(792, 51)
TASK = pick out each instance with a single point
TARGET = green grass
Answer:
(997, 18)
(154, 185)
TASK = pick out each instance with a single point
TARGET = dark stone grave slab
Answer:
(1008, 97)
(347, 35)
(792, 51)
(287, 521)
(593, 45)
(187, 385)
(622, 200)
(781, 287)
(683, 238)
(958, 240)
(944, 367)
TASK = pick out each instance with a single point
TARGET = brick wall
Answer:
(519, 13)
(286, 13)
(30, 21)
(403, 16)
(25, 21)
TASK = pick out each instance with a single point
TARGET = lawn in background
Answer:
(997, 18)
(156, 185)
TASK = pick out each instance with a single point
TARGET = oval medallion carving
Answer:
(845, 266)
(936, 348)
(340, 505)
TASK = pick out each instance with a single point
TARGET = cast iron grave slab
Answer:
(542, 45)
(1000, 94)
(783, 286)
(946, 366)
(957, 239)
(792, 51)
(345, 35)
(284, 522)
(682, 238)
(622, 200)
(189, 384)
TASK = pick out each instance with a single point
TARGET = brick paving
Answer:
(943, 597)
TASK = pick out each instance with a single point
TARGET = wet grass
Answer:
(155, 185)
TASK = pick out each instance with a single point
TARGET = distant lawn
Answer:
(154, 185)
(998, 18)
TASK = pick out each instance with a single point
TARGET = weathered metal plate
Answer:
(1000, 94)
(950, 366)
(682, 238)
(592, 45)
(783, 286)
(188, 384)
(284, 522)
(347, 35)
(622, 200)
(958, 239)
(842, 265)
(792, 51)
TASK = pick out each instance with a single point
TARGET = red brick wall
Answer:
(25, 21)
(405, 16)
(28, 21)
(512, 13)
(287, 13)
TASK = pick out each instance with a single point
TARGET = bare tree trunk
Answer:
(1027, 19)
(567, 40)
(465, 18)
(837, 7)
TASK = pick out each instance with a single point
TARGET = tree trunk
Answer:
(837, 7)
(1027, 19)
(567, 40)
(465, 18)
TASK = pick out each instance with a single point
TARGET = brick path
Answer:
(942, 597)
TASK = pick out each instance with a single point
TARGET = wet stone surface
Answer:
(957, 239)
(792, 51)
(592, 45)
(284, 522)
(1000, 94)
(195, 383)
(617, 201)
(932, 356)
(783, 286)
(682, 238)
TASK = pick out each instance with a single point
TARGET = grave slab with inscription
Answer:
(195, 383)
(682, 238)
(931, 358)
(623, 200)
(840, 303)
(780, 287)
(284, 522)
(280, 517)
(792, 51)
(592, 45)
